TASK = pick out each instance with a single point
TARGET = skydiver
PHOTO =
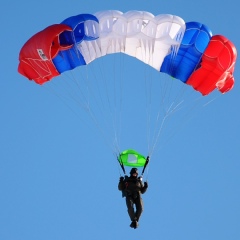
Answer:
(132, 188)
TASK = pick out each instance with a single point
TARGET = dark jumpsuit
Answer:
(132, 189)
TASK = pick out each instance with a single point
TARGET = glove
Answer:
(145, 184)
(121, 179)
(140, 178)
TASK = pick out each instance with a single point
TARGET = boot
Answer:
(134, 224)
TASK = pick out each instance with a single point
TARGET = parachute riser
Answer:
(121, 165)
(145, 165)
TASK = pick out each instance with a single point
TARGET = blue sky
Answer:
(58, 177)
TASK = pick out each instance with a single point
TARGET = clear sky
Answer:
(58, 177)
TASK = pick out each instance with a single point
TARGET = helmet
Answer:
(134, 170)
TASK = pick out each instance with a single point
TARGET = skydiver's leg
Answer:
(130, 207)
(139, 207)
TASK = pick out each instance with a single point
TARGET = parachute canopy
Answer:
(132, 158)
(186, 51)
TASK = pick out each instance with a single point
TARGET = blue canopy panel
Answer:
(85, 27)
(195, 40)
(68, 59)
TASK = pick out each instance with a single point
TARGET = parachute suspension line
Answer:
(49, 87)
(118, 76)
(99, 101)
(72, 93)
(170, 111)
(75, 94)
(190, 108)
(90, 111)
(103, 109)
(153, 124)
(210, 101)
(85, 95)
(106, 94)
(86, 108)
(83, 98)
(117, 97)
(121, 70)
(178, 101)
(117, 88)
(102, 95)
(167, 94)
(158, 135)
(148, 94)
(101, 131)
(179, 126)
(163, 116)
(120, 90)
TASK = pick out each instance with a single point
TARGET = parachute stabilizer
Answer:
(132, 158)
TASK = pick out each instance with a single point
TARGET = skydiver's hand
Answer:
(121, 179)
(145, 184)
(140, 178)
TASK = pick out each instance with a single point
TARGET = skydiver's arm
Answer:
(144, 188)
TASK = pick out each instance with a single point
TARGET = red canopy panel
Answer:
(37, 53)
(216, 68)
